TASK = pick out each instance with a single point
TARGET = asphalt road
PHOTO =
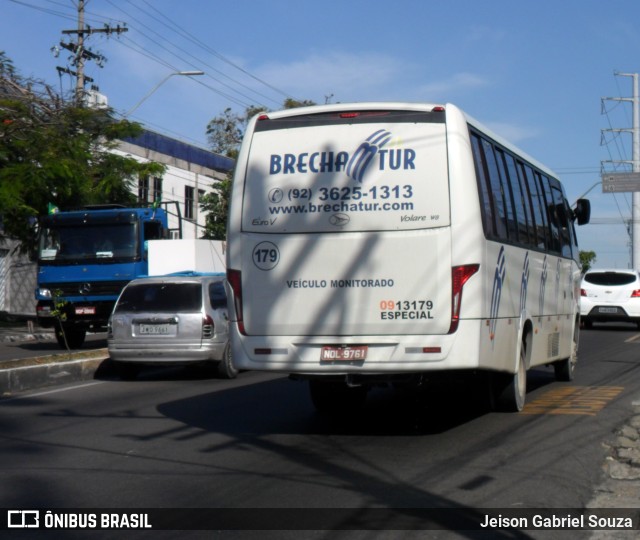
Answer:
(183, 439)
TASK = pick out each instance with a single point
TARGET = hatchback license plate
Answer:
(357, 352)
(154, 329)
(611, 310)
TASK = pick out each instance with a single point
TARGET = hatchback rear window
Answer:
(217, 295)
(610, 278)
(161, 297)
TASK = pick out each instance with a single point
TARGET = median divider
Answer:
(42, 371)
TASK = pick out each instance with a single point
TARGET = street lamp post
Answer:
(183, 73)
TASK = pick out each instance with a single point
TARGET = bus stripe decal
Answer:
(498, 280)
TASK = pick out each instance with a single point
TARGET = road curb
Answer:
(49, 371)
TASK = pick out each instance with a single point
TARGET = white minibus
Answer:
(383, 242)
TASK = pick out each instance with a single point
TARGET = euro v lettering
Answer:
(260, 222)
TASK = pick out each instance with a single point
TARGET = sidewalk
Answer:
(26, 330)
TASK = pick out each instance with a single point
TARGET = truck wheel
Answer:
(226, 369)
(74, 337)
(333, 398)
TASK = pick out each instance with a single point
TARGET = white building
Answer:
(191, 172)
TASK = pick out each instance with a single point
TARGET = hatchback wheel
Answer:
(226, 369)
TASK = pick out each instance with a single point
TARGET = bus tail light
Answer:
(234, 277)
(459, 276)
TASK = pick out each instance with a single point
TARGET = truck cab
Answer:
(86, 257)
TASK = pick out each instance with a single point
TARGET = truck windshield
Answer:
(96, 243)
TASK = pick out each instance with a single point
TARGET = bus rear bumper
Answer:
(336, 355)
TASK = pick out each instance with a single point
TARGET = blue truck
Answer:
(87, 256)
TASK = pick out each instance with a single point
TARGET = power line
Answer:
(199, 62)
(99, 23)
(216, 53)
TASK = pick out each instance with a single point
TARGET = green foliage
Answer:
(291, 103)
(58, 312)
(587, 259)
(216, 204)
(58, 152)
(225, 134)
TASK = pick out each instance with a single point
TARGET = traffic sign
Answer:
(620, 182)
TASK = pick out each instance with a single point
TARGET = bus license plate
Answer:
(154, 329)
(357, 352)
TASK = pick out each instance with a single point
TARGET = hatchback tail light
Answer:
(208, 328)
(583, 292)
(635, 294)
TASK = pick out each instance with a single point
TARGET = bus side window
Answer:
(523, 209)
(514, 212)
(552, 214)
(486, 203)
(564, 213)
(497, 191)
(541, 223)
(575, 252)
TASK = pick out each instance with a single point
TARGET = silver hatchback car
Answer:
(171, 320)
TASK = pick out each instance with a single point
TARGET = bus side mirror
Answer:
(582, 213)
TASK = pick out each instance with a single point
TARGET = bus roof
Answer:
(412, 106)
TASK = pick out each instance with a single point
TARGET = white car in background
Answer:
(610, 296)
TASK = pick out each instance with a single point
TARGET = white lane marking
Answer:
(55, 391)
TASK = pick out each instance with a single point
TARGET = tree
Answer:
(57, 152)
(587, 258)
(225, 134)
(216, 204)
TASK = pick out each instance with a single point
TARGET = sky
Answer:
(534, 71)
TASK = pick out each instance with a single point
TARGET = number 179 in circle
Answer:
(266, 255)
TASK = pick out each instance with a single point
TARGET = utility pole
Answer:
(635, 164)
(81, 54)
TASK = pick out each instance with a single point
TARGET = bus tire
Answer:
(565, 369)
(334, 397)
(513, 390)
